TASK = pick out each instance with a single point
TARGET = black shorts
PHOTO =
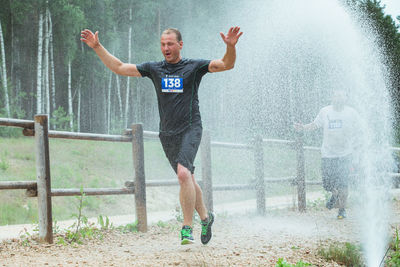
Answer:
(335, 172)
(182, 148)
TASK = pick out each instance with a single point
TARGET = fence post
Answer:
(259, 174)
(140, 181)
(300, 179)
(43, 179)
(206, 170)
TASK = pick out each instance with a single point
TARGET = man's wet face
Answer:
(338, 98)
(170, 47)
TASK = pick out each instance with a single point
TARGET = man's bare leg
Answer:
(342, 197)
(199, 206)
(187, 194)
(191, 198)
(207, 218)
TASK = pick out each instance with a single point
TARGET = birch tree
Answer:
(4, 72)
(79, 109)
(109, 104)
(39, 66)
(79, 96)
(46, 62)
(119, 98)
(129, 60)
(53, 79)
(70, 111)
(121, 114)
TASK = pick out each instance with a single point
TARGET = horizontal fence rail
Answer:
(17, 123)
(92, 191)
(89, 136)
(312, 148)
(231, 145)
(82, 136)
(280, 180)
(6, 185)
(155, 183)
(279, 141)
(41, 188)
(146, 134)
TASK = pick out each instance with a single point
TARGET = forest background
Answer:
(45, 68)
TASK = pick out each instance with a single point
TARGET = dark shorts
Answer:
(182, 148)
(335, 172)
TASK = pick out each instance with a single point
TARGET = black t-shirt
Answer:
(177, 91)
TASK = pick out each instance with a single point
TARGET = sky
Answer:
(392, 8)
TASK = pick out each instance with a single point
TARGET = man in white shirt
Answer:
(341, 128)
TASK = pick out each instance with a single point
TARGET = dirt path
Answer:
(14, 231)
(238, 240)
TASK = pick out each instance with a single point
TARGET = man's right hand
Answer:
(92, 40)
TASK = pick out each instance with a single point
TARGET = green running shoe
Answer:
(186, 235)
(206, 228)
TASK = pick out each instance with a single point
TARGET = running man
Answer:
(176, 81)
(341, 132)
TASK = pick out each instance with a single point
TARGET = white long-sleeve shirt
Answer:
(340, 131)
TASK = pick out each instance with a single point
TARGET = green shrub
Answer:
(282, 263)
(4, 164)
(130, 227)
(60, 120)
(346, 254)
(9, 132)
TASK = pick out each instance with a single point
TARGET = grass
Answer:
(343, 253)
(393, 257)
(81, 229)
(282, 263)
(17, 209)
(76, 164)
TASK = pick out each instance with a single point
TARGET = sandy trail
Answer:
(248, 206)
(240, 239)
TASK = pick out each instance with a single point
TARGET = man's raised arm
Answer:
(113, 63)
(228, 61)
(305, 127)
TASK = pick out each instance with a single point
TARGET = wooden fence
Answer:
(41, 188)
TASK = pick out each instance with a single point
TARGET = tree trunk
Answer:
(17, 91)
(53, 79)
(119, 99)
(139, 105)
(79, 107)
(46, 63)
(4, 72)
(129, 60)
(70, 111)
(158, 21)
(39, 67)
(79, 96)
(12, 80)
(109, 104)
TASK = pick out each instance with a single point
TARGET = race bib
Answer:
(335, 124)
(172, 85)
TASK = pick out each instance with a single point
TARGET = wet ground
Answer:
(239, 239)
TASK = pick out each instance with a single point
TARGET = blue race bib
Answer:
(335, 124)
(172, 85)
